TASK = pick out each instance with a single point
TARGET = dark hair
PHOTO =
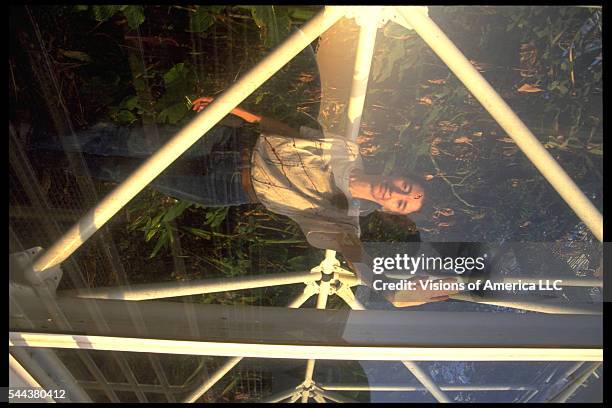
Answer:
(383, 226)
(423, 217)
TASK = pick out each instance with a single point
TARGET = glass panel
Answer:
(234, 241)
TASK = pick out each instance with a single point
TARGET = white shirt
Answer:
(307, 179)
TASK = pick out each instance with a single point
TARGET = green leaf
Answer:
(173, 114)
(198, 232)
(298, 262)
(216, 9)
(596, 151)
(176, 210)
(130, 102)
(200, 21)
(134, 15)
(216, 217)
(125, 116)
(161, 242)
(260, 97)
(150, 234)
(155, 222)
(103, 13)
(175, 73)
(273, 21)
(301, 13)
(77, 55)
(385, 65)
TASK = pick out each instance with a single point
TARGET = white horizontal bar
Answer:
(300, 352)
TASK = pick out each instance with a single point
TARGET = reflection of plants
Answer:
(544, 61)
(154, 217)
(565, 62)
(133, 14)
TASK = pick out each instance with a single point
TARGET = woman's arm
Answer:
(200, 103)
(267, 125)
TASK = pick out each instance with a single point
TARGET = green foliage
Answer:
(126, 112)
(216, 216)
(202, 19)
(133, 14)
(103, 13)
(154, 217)
(179, 84)
(273, 21)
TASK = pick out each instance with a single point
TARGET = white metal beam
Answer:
(368, 19)
(295, 351)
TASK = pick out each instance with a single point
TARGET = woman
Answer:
(316, 179)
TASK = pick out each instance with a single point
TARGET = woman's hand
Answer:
(201, 103)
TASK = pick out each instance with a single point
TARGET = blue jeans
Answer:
(208, 173)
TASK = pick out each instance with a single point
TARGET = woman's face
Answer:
(398, 195)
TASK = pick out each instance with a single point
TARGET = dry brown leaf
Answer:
(429, 177)
(445, 224)
(506, 140)
(434, 151)
(463, 139)
(425, 100)
(447, 212)
(527, 88)
(448, 126)
(437, 81)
